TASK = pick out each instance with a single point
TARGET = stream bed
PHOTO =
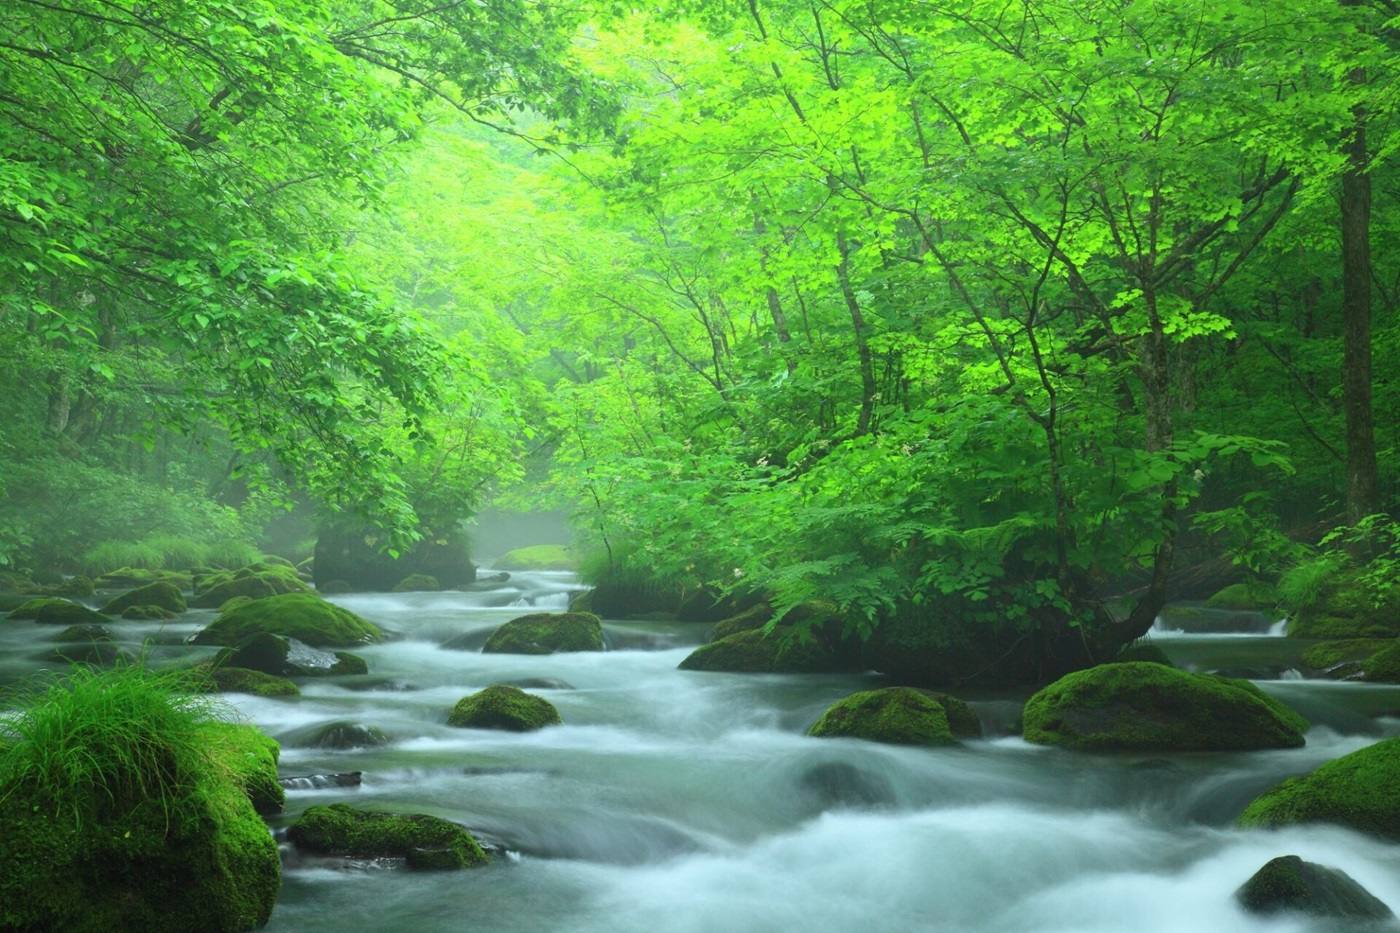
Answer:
(688, 801)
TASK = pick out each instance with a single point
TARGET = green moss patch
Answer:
(754, 651)
(1384, 665)
(900, 716)
(1142, 706)
(504, 707)
(161, 594)
(417, 582)
(538, 557)
(303, 616)
(1244, 597)
(1330, 655)
(289, 657)
(242, 680)
(1289, 884)
(425, 842)
(1356, 790)
(257, 581)
(547, 633)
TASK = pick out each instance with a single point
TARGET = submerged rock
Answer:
(87, 632)
(547, 633)
(424, 842)
(224, 679)
(540, 683)
(303, 616)
(98, 653)
(899, 716)
(58, 612)
(1290, 884)
(289, 657)
(161, 594)
(146, 613)
(503, 707)
(417, 582)
(1356, 790)
(339, 735)
(319, 781)
(840, 784)
(1141, 706)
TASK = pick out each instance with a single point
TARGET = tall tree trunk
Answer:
(1362, 482)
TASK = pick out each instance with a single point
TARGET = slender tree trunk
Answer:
(1362, 482)
(867, 365)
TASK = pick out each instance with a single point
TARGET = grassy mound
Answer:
(1142, 706)
(899, 716)
(303, 616)
(125, 805)
(503, 707)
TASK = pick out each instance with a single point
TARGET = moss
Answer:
(547, 633)
(289, 657)
(161, 593)
(303, 616)
(147, 612)
(31, 608)
(62, 612)
(1142, 706)
(1341, 606)
(538, 557)
(1327, 655)
(1356, 790)
(99, 653)
(754, 617)
(416, 583)
(234, 603)
(1290, 884)
(1143, 650)
(242, 680)
(900, 716)
(257, 581)
(128, 577)
(76, 586)
(503, 707)
(1244, 597)
(755, 652)
(250, 759)
(1384, 665)
(83, 633)
(426, 842)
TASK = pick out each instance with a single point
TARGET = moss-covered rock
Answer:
(83, 633)
(754, 652)
(288, 657)
(1244, 597)
(303, 616)
(223, 679)
(258, 581)
(754, 617)
(338, 735)
(77, 586)
(1342, 659)
(1143, 650)
(538, 557)
(161, 594)
(547, 633)
(417, 583)
(128, 577)
(425, 842)
(1289, 884)
(1141, 706)
(899, 716)
(98, 652)
(1356, 790)
(251, 760)
(147, 613)
(30, 608)
(503, 707)
(59, 612)
(199, 858)
(1344, 608)
(1384, 666)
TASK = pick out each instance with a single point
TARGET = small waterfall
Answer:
(1279, 628)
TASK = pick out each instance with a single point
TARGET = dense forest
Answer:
(954, 344)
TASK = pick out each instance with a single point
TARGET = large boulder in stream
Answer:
(288, 657)
(1141, 706)
(1356, 790)
(1288, 884)
(223, 679)
(256, 581)
(303, 616)
(161, 594)
(58, 612)
(547, 633)
(899, 716)
(503, 707)
(754, 651)
(424, 842)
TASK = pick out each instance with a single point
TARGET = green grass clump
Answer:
(230, 554)
(1306, 585)
(1141, 706)
(178, 551)
(113, 555)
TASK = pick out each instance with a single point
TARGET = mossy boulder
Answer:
(147, 613)
(503, 707)
(288, 657)
(753, 651)
(86, 632)
(1384, 666)
(538, 557)
(423, 841)
(1342, 659)
(1140, 706)
(1252, 596)
(1143, 650)
(75, 586)
(29, 608)
(128, 577)
(899, 716)
(547, 633)
(416, 583)
(202, 860)
(1356, 790)
(161, 594)
(303, 616)
(58, 612)
(257, 581)
(338, 735)
(1290, 885)
(754, 617)
(251, 759)
(100, 652)
(223, 679)
(1345, 608)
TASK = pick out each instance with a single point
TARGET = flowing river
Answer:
(687, 801)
